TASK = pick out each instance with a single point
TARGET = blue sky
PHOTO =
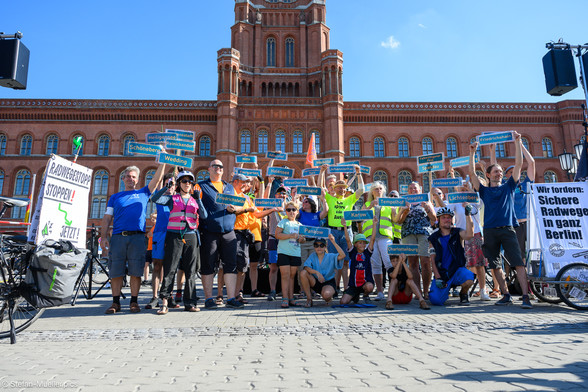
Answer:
(394, 51)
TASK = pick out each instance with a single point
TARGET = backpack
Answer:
(54, 268)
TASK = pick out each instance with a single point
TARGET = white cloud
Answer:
(422, 26)
(390, 43)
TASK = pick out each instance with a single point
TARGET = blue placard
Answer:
(462, 161)
(341, 169)
(403, 189)
(269, 203)
(248, 172)
(314, 171)
(430, 158)
(159, 138)
(358, 215)
(314, 232)
(427, 167)
(182, 133)
(463, 197)
(144, 149)
(309, 190)
(280, 171)
(392, 202)
(238, 201)
(175, 160)
(246, 159)
(324, 161)
(446, 182)
(280, 156)
(418, 198)
(498, 137)
(365, 169)
(183, 145)
(349, 163)
(397, 249)
(296, 182)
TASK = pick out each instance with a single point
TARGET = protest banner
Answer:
(418, 198)
(462, 161)
(427, 167)
(61, 212)
(496, 137)
(348, 163)
(222, 198)
(341, 169)
(446, 182)
(246, 159)
(268, 203)
(397, 249)
(430, 158)
(279, 156)
(324, 161)
(159, 138)
(183, 145)
(314, 232)
(463, 197)
(358, 215)
(309, 190)
(365, 169)
(175, 160)
(392, 201)
(280, 171)
(314, 171)
(248, 172)
(296, 182)
(182, 134)
(144, 149)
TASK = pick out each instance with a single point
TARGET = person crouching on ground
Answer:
(448, 257)
(319, 270)
(361, 280)
(402, 286)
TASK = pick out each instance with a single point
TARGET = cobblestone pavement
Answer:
(262, 347)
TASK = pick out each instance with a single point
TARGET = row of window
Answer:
(279, 142)
(270, 46)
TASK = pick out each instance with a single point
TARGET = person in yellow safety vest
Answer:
(383, 227)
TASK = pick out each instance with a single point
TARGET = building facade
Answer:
(278, 83)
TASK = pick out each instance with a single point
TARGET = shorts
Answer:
(158, 247)
(473, 252)
(380, 255)
(418, 239)
(256, 252)
(521, 231)
(242, 251)
(218, 247)
(401, 298)
(354, 291)
(148, 257)
(272, 244)
(438, 296)
(285, 260)
(272, 256)
(318, 286)
(127, 253)
(506, 237)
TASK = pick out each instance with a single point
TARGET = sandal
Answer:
(495, 294)
(292, 302)
(219, 300)
(476, 294)
(308, 303)
(257, 293)
(424, 305)
(164, 309)
(285, 304)
(191, 309)
(389, 305)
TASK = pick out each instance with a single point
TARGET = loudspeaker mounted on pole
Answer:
(560, 73)
(14, 64)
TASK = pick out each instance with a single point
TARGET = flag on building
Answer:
(311, 154)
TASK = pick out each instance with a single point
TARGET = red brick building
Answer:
(279, 82)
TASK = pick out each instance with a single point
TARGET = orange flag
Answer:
(311, 154)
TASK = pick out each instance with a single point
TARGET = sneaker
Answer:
(234, 303)
(146, 283)
(380, 297)
(464, 300)
(484, 297)
(154, 303)
(271, 296)
(210, 303)
(241, 299)
(455, 293)
(526, 303)
(505, 300)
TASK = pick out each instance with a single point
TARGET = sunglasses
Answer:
(187, 182)
(217, 166)
(320, 245)
(291, 209)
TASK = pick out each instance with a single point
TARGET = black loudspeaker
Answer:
(14, 64)
(585, 66)
(560, 73)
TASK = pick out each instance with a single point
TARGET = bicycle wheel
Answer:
(545, 292)
(575, 291)
(23, 315)
(100, 271)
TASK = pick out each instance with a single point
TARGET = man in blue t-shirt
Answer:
(126, 212)
(500, 220)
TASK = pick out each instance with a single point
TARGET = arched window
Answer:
(52, 144)
(403, 151)
(262, 141)
(549, 176)
(100, 183)
(150, 205)
(404, 178)
(317, 141)
(547, 147)
(73, 147)
(297, 142)
(354, 149)
(427, 146)
(245, 142)
(451, 147)
(271, 52)
(22, 183)
(525, 142)
(478, 150)
(26, 145)
(379, 147)
(121, 182)
(1, 181)
(289, 52)
(126, 141)
(2, 144)
(280, 141)
(380, 175)
(202, 175)
(103, 145)
(500, 150)
(204, 145)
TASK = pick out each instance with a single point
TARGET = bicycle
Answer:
(16, 313)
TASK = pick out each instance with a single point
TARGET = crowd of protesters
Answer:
(192, 233)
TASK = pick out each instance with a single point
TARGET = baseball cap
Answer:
(508, 168)
(239, 177)
(282, 188)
